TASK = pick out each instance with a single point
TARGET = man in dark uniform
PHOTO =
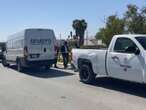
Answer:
(65, 54)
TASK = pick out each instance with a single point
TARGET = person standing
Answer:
(56, 56)
(65, 54)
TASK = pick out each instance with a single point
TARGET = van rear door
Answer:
(40, 44)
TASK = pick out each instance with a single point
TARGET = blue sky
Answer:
(16, 15)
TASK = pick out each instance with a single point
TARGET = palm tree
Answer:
(80, 26)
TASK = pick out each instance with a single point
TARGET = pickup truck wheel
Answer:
(86, 74)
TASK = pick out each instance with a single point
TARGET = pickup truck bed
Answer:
(97, 57)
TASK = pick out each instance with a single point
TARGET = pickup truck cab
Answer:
(124, 59)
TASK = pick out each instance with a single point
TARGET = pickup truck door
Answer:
(124, 64)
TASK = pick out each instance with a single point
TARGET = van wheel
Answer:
(19, 66)
(4, 62)
(86, 74)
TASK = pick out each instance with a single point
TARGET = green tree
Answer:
(114, 25)
(80, 26)
(135, 20)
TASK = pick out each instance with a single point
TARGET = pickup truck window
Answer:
(142, 41)
(122, 44)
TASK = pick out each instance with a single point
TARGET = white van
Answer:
(31, 47)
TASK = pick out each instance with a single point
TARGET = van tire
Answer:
(86, 74)
(4, 62)
(19, 65)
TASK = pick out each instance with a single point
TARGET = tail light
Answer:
(25, 51)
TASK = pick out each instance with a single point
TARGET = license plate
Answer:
(34, 56)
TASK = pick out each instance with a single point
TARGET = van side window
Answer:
(122, 44)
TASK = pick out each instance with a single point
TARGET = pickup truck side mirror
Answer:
(137, 51)
(132, 49)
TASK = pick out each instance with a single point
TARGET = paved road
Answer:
(61, 90)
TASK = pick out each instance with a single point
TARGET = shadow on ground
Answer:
(131, 88)
(42, 73)
(121, 86)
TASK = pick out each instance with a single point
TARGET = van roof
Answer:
(21, 33)
(28, 29)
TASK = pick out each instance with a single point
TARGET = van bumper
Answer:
(39, 63)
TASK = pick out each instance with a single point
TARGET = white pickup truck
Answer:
(125, 59)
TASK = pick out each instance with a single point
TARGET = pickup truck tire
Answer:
(86, 74)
